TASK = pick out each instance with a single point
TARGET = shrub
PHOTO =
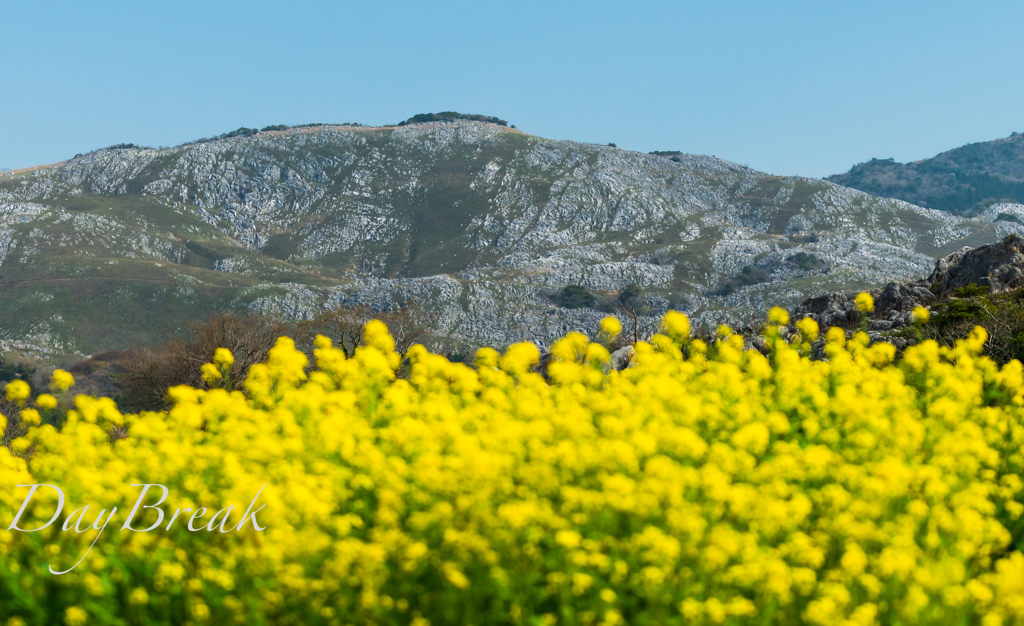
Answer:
(10, 370)
(804, 261)
(1001, 315)
(749, 275)
(241, 132)
(449, 116)
(808, 238)
(343, 325)
(147, 374)
(575, 297)
(125, 146)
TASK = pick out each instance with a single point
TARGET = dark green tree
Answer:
(575, 297)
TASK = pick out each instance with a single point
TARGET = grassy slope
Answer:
(84, 289)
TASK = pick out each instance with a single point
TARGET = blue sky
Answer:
(806, 88)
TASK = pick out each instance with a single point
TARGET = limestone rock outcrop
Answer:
(998, 266)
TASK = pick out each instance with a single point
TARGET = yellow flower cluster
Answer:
(865, 303)
(611, 327)
(704, 485)
(220, 368)
(17, 391)
(62, 380)
(46, 401)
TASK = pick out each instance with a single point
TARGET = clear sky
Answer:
(807, 88)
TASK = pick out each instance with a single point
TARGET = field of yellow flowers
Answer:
(705, 485)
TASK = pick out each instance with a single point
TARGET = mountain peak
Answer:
(481, 223)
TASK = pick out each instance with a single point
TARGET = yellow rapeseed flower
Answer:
(46, 401)
(75, 616)
(808, 328)
(18, 391)
(611, 327)
(138, 596)
(210, 373)
(676, 325)
(921, 314)
(486, 357)
(222, 357)
(865, 303)
(778, 315)
(31, 416)
(716, 482)
(62, 380)
(519, 358)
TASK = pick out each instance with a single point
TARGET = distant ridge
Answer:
(965, 180)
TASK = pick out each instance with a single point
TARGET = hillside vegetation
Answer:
(964, 180)
(451, 116)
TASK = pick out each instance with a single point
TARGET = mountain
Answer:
(965, 180)
(478, 222)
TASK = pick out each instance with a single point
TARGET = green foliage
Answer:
(241, 132)
(809, 238)
(960, 310)
(575, 297)
(748, 276)
(9, 370)
(125, 146)
(673, 155)
(968, 307)
(449, 116)
(971, 291)
(805, 261)
(1001, 315)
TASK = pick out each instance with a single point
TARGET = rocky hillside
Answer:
(479, 222)
(967, 179)
(995, 268)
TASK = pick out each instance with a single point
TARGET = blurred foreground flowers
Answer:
(705, 485)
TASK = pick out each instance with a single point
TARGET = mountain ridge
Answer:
(478, 222)
(964, 180)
